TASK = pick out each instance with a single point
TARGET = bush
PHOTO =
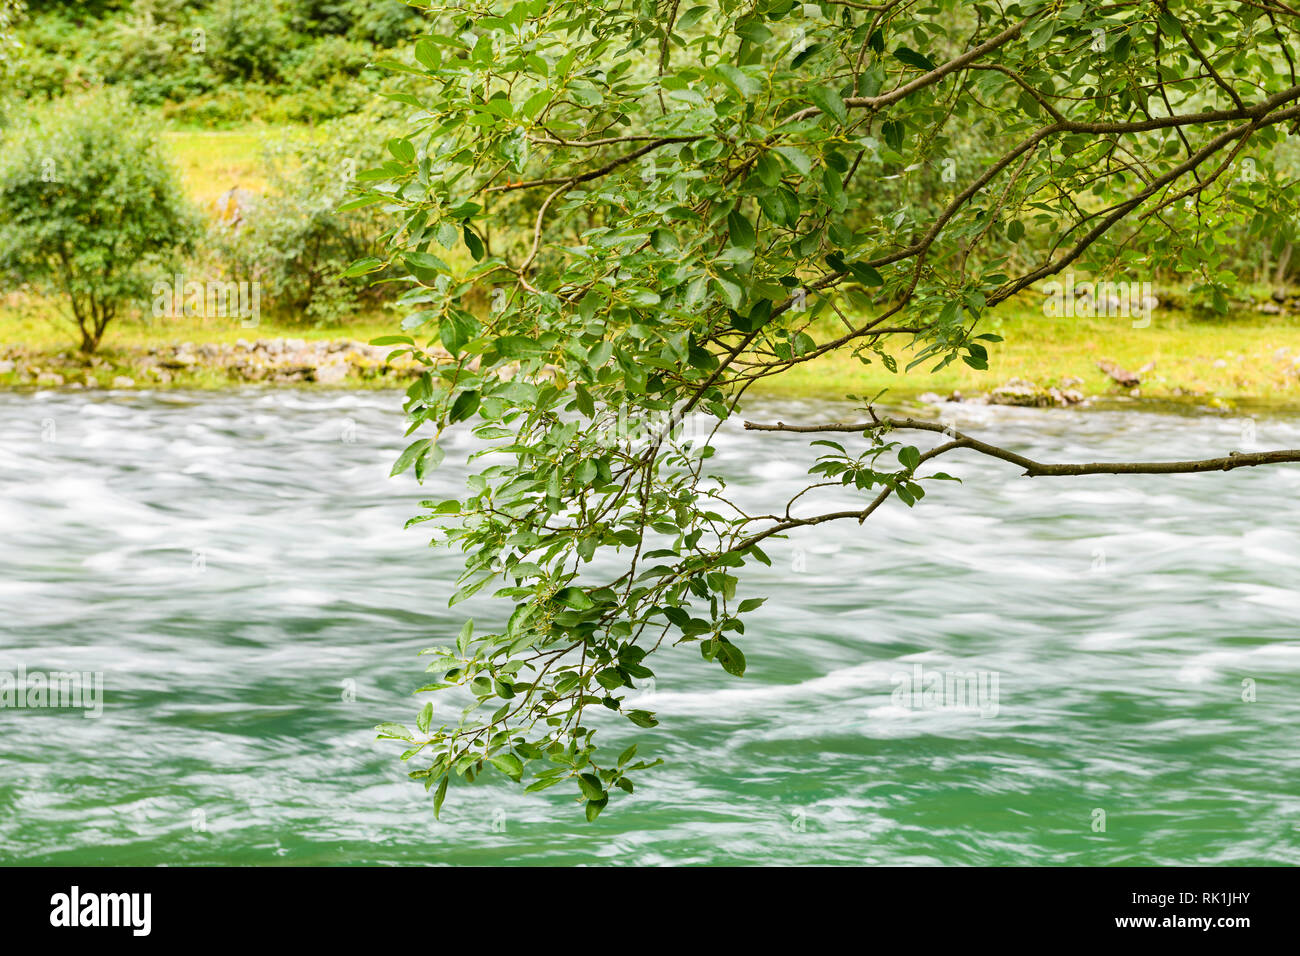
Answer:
(294, 241)
(245, 44)
(216, 62)
(385, 22)
(89, 210)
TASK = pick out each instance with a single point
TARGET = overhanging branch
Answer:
(1036, 469)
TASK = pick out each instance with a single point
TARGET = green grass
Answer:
(211, 162)
(37, 328)
(1233, 357)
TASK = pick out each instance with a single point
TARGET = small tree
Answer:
(89, 210)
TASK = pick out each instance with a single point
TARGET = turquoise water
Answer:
(235, 566)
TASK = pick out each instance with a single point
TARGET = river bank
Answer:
(278, 361)
(1218, 363)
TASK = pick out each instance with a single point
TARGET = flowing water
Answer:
(234, 565)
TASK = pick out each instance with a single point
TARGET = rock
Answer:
(7, 366)
(123, 381)
(1020, 392)
(331, 373)
(1031, 395)
(1118, 375)
(50, 379)
(294, 373)
(90, 381)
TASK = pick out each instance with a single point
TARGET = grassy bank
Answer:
(1214, 361)
(1247, 356)
(1227, 360)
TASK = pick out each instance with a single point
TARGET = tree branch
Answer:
(1036, 469)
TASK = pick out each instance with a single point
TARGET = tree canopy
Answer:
(615, 217)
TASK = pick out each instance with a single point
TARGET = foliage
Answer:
(89, 210)
(10, 12)
(214, 61)
(663, 200)
(294, 241)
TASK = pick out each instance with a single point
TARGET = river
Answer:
(234, 564)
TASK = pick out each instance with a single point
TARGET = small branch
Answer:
(1035, 469)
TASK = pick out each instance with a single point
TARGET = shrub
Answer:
(89, 209)
(384, 22)
(294, 240)
(245, 44)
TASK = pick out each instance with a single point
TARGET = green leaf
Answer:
(390, 729)
(830, 102)
(430, 460)
(642, 718)
(797, 158)
(754, 32)
(691, 17)
(425, 266)
(865, 274)
(594, 807)
(892, 130)
(465, 405)
(730, 657)
(363, 267)
(591, 786)
(402, 149)
(407, 458)
(741, 230)
(508, 764)
(743, 83)
(575, 598)
(912, 58)
(516, 347)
